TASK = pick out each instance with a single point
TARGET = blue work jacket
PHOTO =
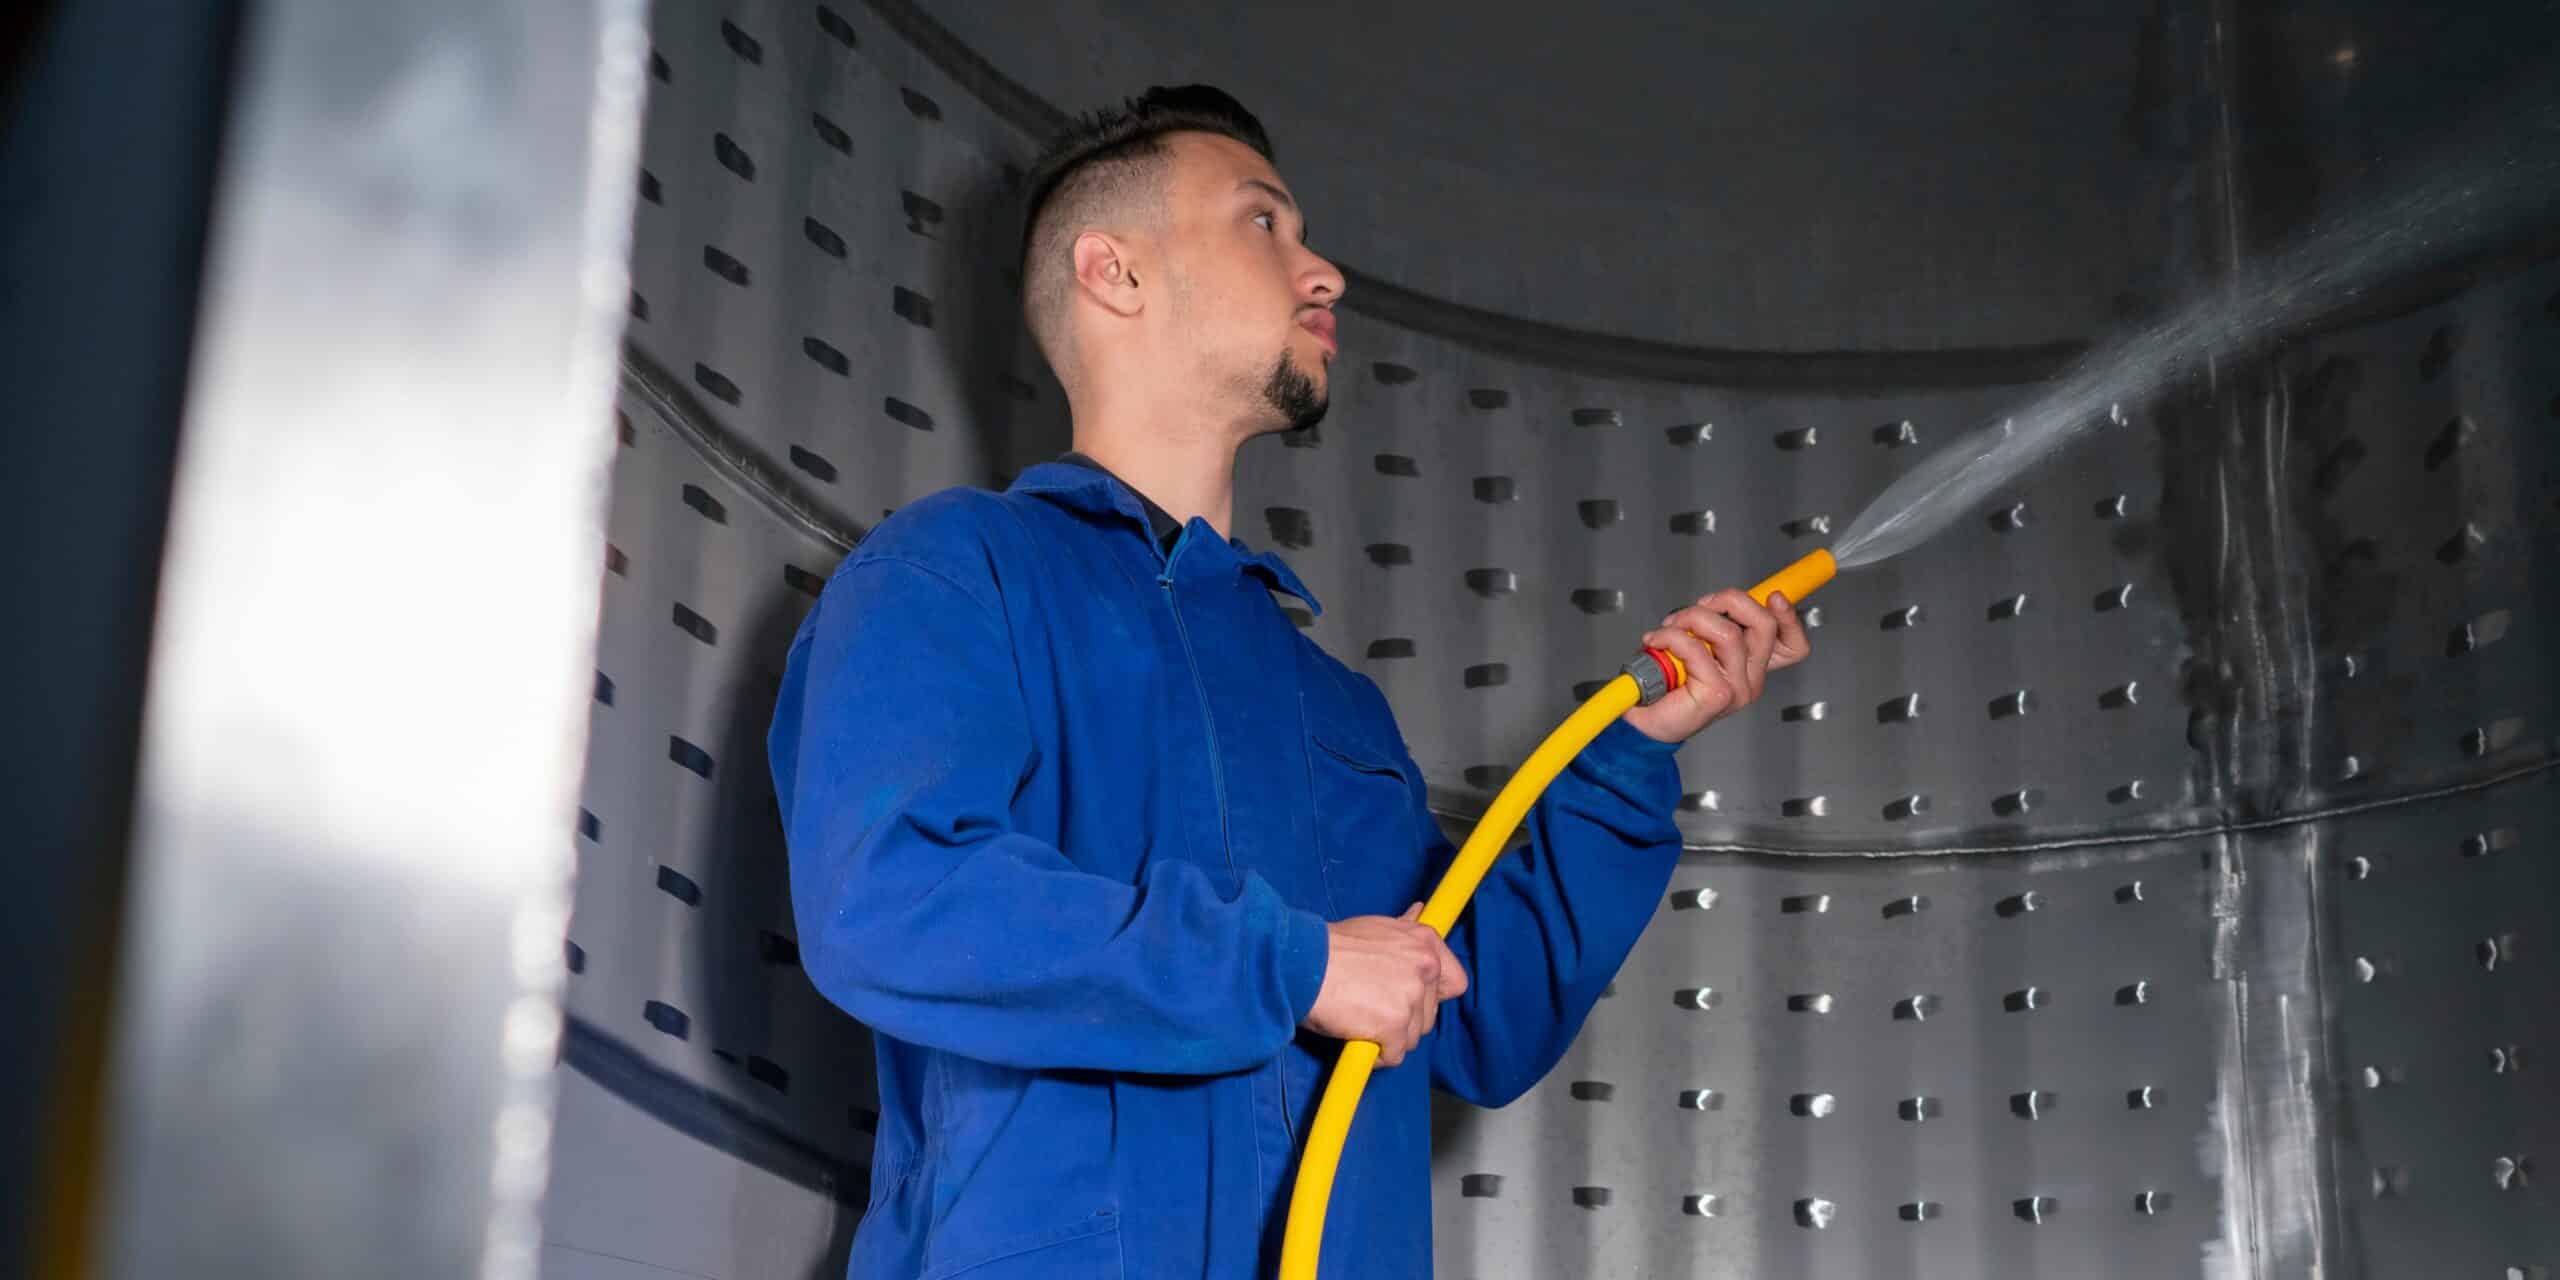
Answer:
(1067, 815)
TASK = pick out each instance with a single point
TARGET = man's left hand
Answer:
(1728, 644)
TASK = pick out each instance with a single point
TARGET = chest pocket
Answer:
(1369, 836)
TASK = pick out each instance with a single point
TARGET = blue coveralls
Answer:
(1067, 816)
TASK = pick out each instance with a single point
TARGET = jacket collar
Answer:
(1101, 493)
(1161, 525)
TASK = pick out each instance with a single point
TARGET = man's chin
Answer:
(1285, 426)
(1298, 398)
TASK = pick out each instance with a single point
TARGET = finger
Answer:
(1431, 1000)
(1704, 686)
(1711, 625)
(1679, 644)
(1725, 637)
(1759, 633)
(1712, 691)
(1793, 644)
(1737, 604)
(1427, 1010)
(1453, 976)
(1413, 912)
(1718, 632)
(1391, 1040)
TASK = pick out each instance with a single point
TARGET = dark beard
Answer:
(1291, 392)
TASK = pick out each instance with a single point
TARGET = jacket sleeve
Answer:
(898, 742)
(1552, 921)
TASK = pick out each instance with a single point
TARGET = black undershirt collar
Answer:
(1159, 520)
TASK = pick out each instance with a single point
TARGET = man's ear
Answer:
(1107, 272)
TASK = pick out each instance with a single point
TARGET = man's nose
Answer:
(1321, 281)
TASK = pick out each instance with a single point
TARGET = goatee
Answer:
(1294, 395)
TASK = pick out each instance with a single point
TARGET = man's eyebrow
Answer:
(1272, 191)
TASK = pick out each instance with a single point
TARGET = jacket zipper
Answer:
(1218, 785)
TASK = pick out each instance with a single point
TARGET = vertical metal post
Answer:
(365, 705)
(2278, 1212)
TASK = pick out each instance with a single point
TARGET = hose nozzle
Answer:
(1657, 673)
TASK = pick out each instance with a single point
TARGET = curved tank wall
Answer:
(2150, 876)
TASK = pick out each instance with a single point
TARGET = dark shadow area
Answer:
(1011, 398)
(807, 1112)
(807, 1119)
(110, 119)
(749, 953)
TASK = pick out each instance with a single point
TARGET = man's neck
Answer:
(1187, 469)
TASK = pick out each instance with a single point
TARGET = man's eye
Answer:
(1264, 220)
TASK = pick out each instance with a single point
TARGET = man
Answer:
(1108, 855)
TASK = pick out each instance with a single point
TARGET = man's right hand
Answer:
(1384, 980)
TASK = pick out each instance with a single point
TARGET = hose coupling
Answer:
(1651, 680)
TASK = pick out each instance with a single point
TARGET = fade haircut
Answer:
(1099, 168)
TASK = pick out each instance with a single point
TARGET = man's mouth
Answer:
(1320, 323)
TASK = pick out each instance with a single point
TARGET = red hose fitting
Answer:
(1671, 672)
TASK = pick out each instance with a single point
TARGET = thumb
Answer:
(1413, 912)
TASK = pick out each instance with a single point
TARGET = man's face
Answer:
(1250, 300)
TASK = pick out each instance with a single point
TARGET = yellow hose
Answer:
(1316, 1168)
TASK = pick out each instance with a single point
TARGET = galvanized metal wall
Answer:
(2148, 877)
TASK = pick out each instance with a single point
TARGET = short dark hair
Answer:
(1103, 158)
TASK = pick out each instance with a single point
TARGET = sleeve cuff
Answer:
(1639, 773)
(1305, 947)
(1625, 750)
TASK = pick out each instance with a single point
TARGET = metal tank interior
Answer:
(2150, 876)
(2155, 874)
